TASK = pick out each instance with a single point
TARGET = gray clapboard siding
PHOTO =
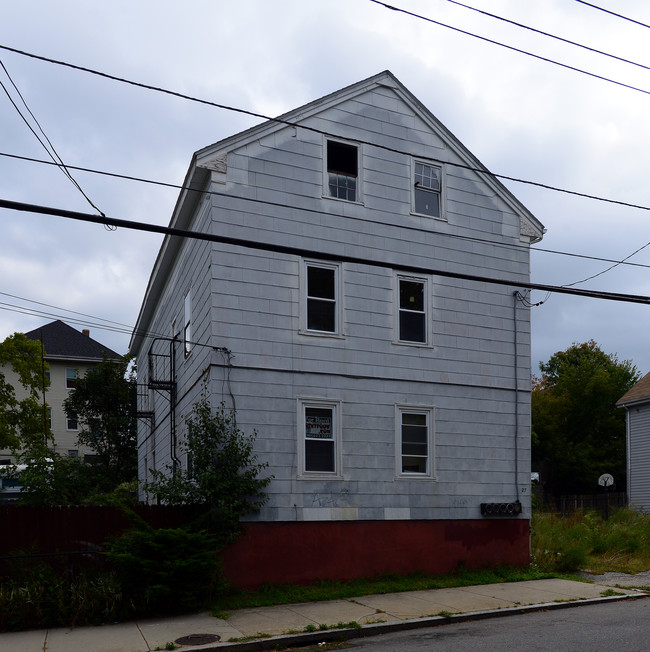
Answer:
(249, 301)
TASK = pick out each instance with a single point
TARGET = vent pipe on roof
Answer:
(86, 332)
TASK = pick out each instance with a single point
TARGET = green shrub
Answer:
(166, 570)
(48, 598)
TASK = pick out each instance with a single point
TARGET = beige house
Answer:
(69, 353)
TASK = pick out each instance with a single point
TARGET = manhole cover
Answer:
(197, 639)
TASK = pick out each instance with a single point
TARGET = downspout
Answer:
(176, 463)
(628, 460)
(515, 295)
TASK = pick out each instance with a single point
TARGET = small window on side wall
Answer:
(427, 187)
(71, 422)
(414, 442)
(187, 323)
(319, 437)
(321, 304)
(412, 310)
(342, 170)
(71, 376)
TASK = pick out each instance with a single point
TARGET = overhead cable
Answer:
(512, 48)
(547, 34)
(254, 200)
(300, 251)
(54, 155)
(613, 13)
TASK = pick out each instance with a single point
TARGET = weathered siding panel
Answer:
(639, 457)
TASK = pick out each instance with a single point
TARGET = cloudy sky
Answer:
(522, 116)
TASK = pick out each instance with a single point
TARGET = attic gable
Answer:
(408, 117)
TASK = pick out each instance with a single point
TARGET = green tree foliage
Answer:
(169, 569)
(224, 475)
(578, 432)
(21, 419)
(103, 403)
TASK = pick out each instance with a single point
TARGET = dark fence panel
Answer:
(76, 529)
(603, 502)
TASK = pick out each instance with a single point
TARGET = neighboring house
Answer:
(343, 308)
(637, 425)
(69, 353)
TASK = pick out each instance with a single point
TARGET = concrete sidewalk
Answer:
(290, 625)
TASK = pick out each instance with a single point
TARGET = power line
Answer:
(481, 170)
(613, 13)
(280, 120)
(54, 155)
(299, 251)
(73, 312)
(351, 217)
(512, 48)
(547, 34)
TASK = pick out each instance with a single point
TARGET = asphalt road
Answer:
(612, 627)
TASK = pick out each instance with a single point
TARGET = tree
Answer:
(224, 473)
(102, 402)
(21, 419)
(578, 432)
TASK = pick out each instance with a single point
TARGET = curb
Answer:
(333, 635)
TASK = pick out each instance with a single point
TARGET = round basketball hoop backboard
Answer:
(606, 480)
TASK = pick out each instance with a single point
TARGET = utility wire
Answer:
(512, 48)
(351, 217)
(280, 120)
(54, 155)
(616, 264)
(73, 312)
(547, 34)
(612, 13)
(299, 251)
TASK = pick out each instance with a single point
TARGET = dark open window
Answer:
(321, 298)
(415, 442)
(342, 170)
(412, 311)
(427, 190)
(319, 439)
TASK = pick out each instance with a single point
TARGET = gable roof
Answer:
(640, 393)
(212, 159)
(66, 343)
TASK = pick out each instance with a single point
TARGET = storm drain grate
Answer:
(197, 639)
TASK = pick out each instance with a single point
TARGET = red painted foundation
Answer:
(302, 552)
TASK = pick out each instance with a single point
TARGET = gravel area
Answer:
(619, 579)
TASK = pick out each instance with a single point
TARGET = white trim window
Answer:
(412, 322)
(318, 436)
(342, 171)
(71, 422)
(187, 323)
(321, 310)
(427, 189)
(414, 439)
(71, 376)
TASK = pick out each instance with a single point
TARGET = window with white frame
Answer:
(427, 187)
(187, 323)
(412, 322)
(71, 376)
(343, 170)
(414, 441)
(318, 434)
(71, 422)
(321, 309)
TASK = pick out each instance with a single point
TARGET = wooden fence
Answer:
(46, 530)
(603, 502)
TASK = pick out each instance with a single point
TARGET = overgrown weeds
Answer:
(588, 541)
